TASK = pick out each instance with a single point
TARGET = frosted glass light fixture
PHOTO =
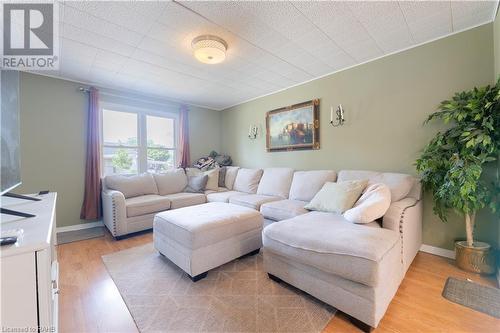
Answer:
(209, 49)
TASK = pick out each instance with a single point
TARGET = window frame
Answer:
(142, 146)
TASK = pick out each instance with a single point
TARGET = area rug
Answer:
(236, 297)
(473, 295)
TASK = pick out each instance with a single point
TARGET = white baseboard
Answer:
(80, 226)
(438, 251)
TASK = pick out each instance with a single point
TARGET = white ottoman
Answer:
(202, 237)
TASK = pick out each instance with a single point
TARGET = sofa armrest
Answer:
(114, 212)
(405, 218)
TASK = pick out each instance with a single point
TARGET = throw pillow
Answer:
(231, 172)
(196, 184)
(247, 180)
(222, 177)
(132, 186)
(372, 204)
(213, 177)
(337, 197)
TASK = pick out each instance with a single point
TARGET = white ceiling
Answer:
(146, 46)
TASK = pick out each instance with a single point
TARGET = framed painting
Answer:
(294, 127)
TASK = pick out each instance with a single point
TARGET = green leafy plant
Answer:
(452, 163)
(122, 160)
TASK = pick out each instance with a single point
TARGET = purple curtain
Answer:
(183, 160)
(91, 207)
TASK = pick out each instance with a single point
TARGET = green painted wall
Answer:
(53, 129)
(386, 102)
(496, 42)
(496, 45)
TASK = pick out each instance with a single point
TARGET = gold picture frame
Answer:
(295, 127)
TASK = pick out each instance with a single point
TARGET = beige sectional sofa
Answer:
(356, 268)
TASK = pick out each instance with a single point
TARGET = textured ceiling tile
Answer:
(427, 20)
(337, 20)
(112, 61)
(469, 13)
(137, 16)
(384, 22)
(96, 40)
(97, 25)
(146, 46)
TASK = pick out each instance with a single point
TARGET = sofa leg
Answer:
(361, 325)
(199, 277)
(274, 278)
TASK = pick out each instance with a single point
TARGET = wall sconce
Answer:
(339, 120)
(253, 131)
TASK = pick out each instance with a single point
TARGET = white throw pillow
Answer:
(276, 182)
(306, 184)
(213, 177)
(247, 180)
(132, 186)
(337, 197)
(372, 204)
(231, 172)
(171, 181)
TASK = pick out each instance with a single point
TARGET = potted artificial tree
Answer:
(452, 163)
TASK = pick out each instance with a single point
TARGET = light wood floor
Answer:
(90, 302)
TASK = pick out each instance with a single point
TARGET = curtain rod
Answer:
(83, 89)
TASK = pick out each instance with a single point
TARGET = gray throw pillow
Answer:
(222, 177)
(196, 184)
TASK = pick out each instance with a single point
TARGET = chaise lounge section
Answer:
(356, 268)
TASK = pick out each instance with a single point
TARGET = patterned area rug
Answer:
(473, 295)
(236, 297)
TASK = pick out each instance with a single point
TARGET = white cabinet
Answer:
(29, 270)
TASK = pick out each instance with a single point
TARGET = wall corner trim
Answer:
(80, 226)
(438, 251)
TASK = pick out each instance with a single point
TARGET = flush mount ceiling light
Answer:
(209, 49)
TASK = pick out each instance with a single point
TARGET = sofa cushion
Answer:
(220, 189)
(400, 184)
(253, 201)
(328, 242)
(276, 182)
(132, 186)
(247, 180)
(372, 204)
(146, 204)
(305, 184)
(222, 196)
(179, 200)
(171, 181)
(231, 172)
(213, 177)
(337, 197)
(207, 224)
(283, 209)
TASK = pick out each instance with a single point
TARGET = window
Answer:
(135, 141)
(160, 143)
